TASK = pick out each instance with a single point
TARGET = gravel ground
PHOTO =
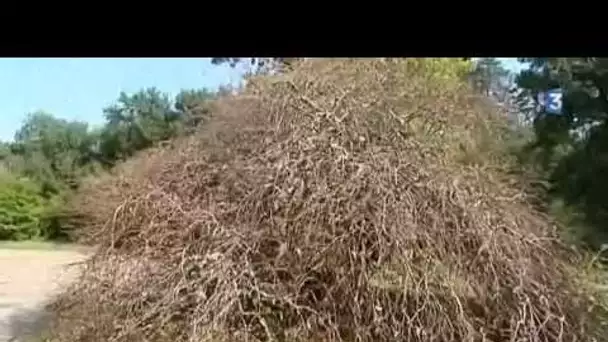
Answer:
(28, 280)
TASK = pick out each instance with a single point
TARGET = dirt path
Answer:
(28, 279)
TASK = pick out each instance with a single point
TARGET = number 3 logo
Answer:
(554, 102)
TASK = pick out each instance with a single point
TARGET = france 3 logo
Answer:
(550, 101)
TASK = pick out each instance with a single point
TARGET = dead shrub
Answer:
(331, 203)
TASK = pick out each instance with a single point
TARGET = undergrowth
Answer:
(21, 208)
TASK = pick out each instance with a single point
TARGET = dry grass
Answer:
(348, 200)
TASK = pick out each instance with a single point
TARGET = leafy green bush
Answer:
(440, 69)
(21, 208)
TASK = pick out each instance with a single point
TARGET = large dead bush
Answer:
(348, 200)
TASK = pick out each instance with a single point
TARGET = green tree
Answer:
(136, 122)
(52, 151)
(5, 150)
(489, 76)
(574, 146)
(21, 208)
(193, 107)
(49, 156)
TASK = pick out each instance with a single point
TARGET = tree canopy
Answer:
(50, 156)
(573, 146)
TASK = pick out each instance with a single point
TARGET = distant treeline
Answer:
(49, 156)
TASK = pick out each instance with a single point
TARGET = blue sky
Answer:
(78, 88)
(512, 64)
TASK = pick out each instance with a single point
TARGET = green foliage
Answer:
(488, 74)
(440, 69)
(137, 121)
(21, 208)
(192, 106)
(572, 150)
(55, 154)
(51, 151)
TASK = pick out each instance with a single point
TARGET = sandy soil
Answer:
(28, 280)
